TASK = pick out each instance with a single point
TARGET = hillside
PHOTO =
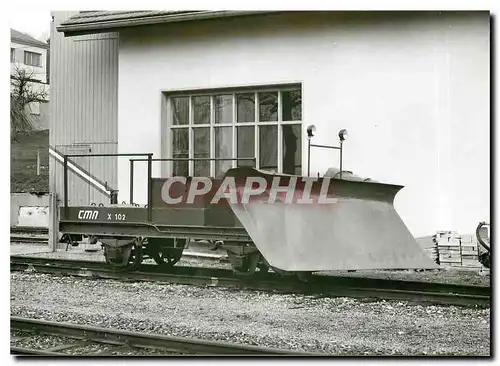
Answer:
(23, 177)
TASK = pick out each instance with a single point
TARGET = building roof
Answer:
(24, 38)
(104, 21)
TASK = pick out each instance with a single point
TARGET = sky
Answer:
(36, 23)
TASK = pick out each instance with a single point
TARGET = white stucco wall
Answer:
(413, 91)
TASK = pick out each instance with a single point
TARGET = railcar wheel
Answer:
(167, 257)
(166, 252)
(137, 256)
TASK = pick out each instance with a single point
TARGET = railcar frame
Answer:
(136, 232)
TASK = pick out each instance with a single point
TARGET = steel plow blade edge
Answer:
(363, 232)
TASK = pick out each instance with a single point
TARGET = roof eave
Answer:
(106, 26)
(29, 43)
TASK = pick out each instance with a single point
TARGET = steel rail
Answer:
(28, 239)
(185, 254)
(28, 230)
(335, 286)
(141, 340)
(32, 352)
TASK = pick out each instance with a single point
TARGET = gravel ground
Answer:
(29, 340)
(337, 326)
(445, 275)
(17, 248)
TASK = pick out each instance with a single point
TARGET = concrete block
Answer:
(18, 200)
(37, 216)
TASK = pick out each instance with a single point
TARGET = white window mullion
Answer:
(212, 137)
(233, 124)
(256, 131)
(169, 165)
(191, 138)
(235, 147)
(280, 134)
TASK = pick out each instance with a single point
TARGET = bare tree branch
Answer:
(23, 92)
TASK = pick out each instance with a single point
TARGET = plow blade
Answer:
(331, 225)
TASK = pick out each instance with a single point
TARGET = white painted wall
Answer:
(413, 91)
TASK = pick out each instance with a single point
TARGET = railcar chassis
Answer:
(130, 233)
(323, 224)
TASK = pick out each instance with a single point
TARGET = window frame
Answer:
(31, 54)
(234, 124)
(12, 54)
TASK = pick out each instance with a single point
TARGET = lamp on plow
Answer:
(310, 133)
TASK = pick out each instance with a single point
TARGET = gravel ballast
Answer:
(336, 326)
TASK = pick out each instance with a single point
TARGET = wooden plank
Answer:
(457, 247)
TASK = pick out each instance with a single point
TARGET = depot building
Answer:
(411, 88)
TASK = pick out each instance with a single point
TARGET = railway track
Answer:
(28, 239)
(44, 240)
(26, 234)
(334, 286)
(84, 340)
(29, 230)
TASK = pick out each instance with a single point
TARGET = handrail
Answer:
(113, 192)
(197, 159)
(132, 161)
(81, 172)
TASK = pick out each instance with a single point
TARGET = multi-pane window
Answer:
(12, 55)
(265, 124)
(32, 58)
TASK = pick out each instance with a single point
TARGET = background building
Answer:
(32, 55)
(412, 88)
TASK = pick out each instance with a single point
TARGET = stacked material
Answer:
(452, 249)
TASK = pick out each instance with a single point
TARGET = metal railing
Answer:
(149, 160)
(113, 193)
(132, 162)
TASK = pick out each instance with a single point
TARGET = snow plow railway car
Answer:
(292, 224)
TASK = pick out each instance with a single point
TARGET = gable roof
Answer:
(103, 21)
(24, 38)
